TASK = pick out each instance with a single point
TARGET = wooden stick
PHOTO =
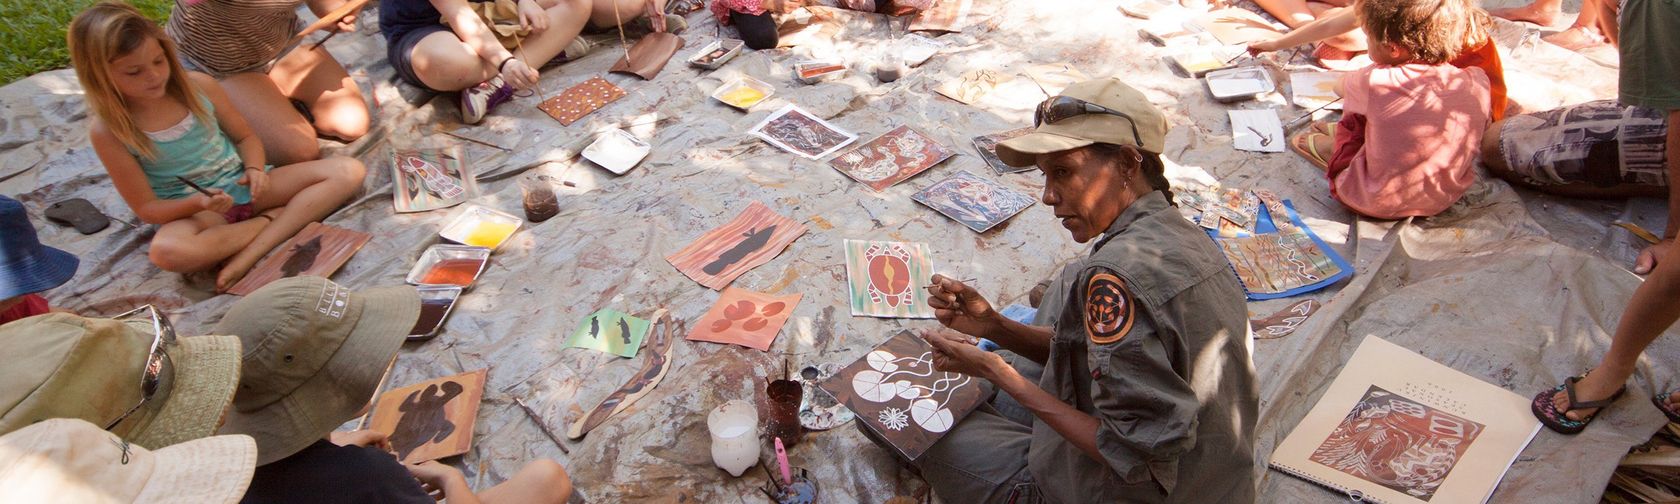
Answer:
(195, 187)
(440, 129)
(536, 419)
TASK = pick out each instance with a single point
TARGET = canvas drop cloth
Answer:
(1517, 289)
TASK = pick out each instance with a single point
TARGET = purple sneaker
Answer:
(477, 101)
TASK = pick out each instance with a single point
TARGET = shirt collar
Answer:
(1144, 206)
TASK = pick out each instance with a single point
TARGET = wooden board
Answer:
(884, 279)
(974, 201)
(746, 318)
(581, 100)
(325, 247)
(655, 362)
(895, 391)
(432, 419)
(891, 158)
(721, 255)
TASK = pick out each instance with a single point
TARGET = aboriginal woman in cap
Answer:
(1148, 393)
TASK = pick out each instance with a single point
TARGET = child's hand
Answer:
(532, 17)
(363, 438)
(347, 23)
(256, 179)
(519, 75)
(1260, 47)
(220, 202)
(433, 476)
(655, 17)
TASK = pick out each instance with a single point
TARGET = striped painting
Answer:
(317, 250)
(886, 278)
(722, 254)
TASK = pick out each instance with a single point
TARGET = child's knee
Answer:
(552, 476)
(348, 172)
(293, 148)
(171, 255)
(345, 122)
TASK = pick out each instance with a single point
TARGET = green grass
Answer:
(32, 33)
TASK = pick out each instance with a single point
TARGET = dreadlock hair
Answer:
(1154, 170)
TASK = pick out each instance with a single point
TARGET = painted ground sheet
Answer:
(886, 278)
(432, 419)
(610, 331)
(891, 158)
(974, 201)
(746, 318)
(895, 391)
(430, 179)
(755, 237)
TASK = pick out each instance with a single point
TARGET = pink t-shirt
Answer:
(1423, 134)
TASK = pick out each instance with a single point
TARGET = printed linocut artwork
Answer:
(1278, 262)
(721, 255)
(431, 419)
(975, 202)
(1398, 443)
(610, 331)
(317, 250)
(582, 99)
(987, 145)
(430, 179)
(885, 278)
(890, 158)
(746, 318)
(896, 392)
(794, 130)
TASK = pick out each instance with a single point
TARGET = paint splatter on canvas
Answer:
(317, 250)
(975, 202)
(987, 145)
(580, 100)
(1278, 262)
(746, 318)
(721, 255)
(431, 419)
(896, 392)
(885, 278)
(430, 179)
(611, 331)
(890, 158)
(1398, 443)
(794, 130)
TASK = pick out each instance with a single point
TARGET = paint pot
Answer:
(540, 201)
(783, 419)
(743, 92)
(717, 53)
(617, 150)
(481, 227)
(1238, 84)
(435, 304)
(888, 71)
(449, 265)
(818, 70)
(734, 429)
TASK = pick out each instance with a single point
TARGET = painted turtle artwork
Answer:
(424, 419)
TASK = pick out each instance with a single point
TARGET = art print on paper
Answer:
(890, 158)
(580, 100)
(316, 250)
(746, 318)
(973, 201)
(884, 278)
(431, 419)
(973, 85)
(723, 254)
(610, 331)
(430, 179)
(1238, 206)
(987, 146)
(896, 392)
(794, 130)
(1315, 89)
(1398, 443)
(1278, 262)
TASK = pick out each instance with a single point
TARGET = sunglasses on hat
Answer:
(163, 334)
(1062, 108)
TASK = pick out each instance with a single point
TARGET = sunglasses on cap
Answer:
(1062, 108)
(163, 334)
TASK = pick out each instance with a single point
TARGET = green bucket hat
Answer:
(314, 355)
(65, 366)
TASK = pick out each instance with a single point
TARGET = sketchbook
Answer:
(1396, 427)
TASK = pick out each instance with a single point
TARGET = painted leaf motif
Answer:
(739, 310)
(721, 325)
(755, 324)
(770, 310)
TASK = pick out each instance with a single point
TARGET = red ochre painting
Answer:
(884, 276)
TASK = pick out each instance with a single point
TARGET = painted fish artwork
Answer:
(610, 331)
(578, 101)
(316, 250)
(1398, 443)
(430, 179)
(885, 278)
(433, 419)
(794, 130)
(895, 391)
(987, 146)
(890, 158)
(723, 254)
(746, 318)
(1278, 262)
(973, 201)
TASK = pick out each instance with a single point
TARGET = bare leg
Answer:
(1541, 12)
(1352, 41)
(1293, 13)
(445, 63)
(313, 77)
(1654, 307)
(542, 481)
(197, 243)
(305, 193)
(1494, 158)
(286, 137)
(602, 15)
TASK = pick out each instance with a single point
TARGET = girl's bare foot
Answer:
(241, 263)
(1589, 388)
(1576, 38)
(1529, 13)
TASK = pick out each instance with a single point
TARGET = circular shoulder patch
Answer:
(1109, 308)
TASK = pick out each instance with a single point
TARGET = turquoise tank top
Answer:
(201, 153)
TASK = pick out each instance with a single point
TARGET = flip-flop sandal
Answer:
(78, 213)
(1303, 144)
(1559, 421)
(1661, 400)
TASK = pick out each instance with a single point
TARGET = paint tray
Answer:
(715, 54)
(1199, 62)
(818, 70)
(436, 302)
(1239, 84)
(481, 227)
(738, 92)
(617, 150)
(447, 255)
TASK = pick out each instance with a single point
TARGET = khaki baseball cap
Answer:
(65, 366)
(314, 355)
(71, 460)
(1086, 129)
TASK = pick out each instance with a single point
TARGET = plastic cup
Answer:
(734, 429)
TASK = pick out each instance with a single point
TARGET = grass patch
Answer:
(33, 33)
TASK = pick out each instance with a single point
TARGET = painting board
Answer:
(723, 254)
(610, 331)
(1400, 428)
(1314, 89)
(432, 419)
(884, 279)
(973, 85)
(895, 391)
(1278, 262)
(973, 201)
(794, 130)
(580, 100)
(746, 318)
(430, 179)
(890, 158)
(987, 146)
(1257, 130)
(944, 16)
(1235, 26)
(317, 250)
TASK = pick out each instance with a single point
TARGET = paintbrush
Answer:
(196, 187)
(965, 282)
(1307, 117)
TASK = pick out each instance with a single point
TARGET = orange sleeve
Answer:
(1486, 57)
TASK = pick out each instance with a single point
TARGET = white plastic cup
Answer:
(734, 429)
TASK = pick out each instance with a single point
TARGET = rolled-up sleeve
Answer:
(1147, 411)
